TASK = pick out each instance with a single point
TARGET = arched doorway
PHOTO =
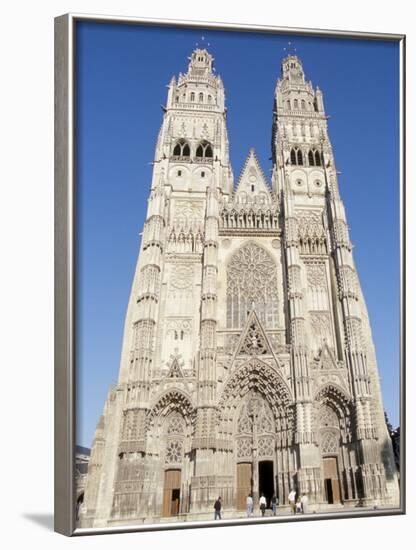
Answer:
(255, 450)
(330, 424)
(174, 436)
(257, 431)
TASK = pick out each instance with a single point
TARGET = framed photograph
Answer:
(229, 273)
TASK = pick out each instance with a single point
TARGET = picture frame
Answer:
(66, 235)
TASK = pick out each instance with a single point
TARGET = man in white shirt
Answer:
(263, 504)
(292, 500)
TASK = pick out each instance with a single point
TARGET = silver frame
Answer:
(65, 226)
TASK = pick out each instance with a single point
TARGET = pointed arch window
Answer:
(293, 156)
(204, 150)
(303, 104)
(296, 104)
(182, 149)
(314, 158)
(296, 157)
(252, 284)
(201, 97)
(288, 104)
(192, 97)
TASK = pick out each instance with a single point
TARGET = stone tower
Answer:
(247, 363)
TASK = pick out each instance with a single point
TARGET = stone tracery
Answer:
(251, 284)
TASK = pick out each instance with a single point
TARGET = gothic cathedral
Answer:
(247, 363)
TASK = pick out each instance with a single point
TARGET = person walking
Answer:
(304, 501)
(263, 504)
(292, 500)
(249, 504)
(217, 508)
(275, 502)
(298, 506)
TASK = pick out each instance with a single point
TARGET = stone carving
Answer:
(186, 240)
(178, 328)
(348, 284)
(254, 342)
(245, 423)
(327, 417)
(316, 276)
(204, 131)
(176, 425)
(311, 232)
(266, 446)
(329, 442)
(244, 447)
(251, 285)
(231, 343)
(175, 370)
(182, 276)
(174, 452)
(321, 327)
(188, 214)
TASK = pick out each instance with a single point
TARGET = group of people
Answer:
(262, 505)
(298, 504)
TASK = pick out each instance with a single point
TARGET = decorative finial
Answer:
(290, 49)
(203, 42)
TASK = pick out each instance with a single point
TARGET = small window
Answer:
(192, 96)
(299, 182)
(318, 183)
(177, 99)
(303, 104)
(296, 104)
(201, 97)
(209, 99)
(202, 174)
(288, 104)
(252, 188)
(179, 173)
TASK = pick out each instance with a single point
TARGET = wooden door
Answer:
(171, 493)
(331, 480)
(244, 476)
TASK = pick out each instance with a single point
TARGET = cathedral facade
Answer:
(247, 363)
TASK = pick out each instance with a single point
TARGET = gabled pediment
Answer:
(326, 359)
(252, 183)
(175, 369)
(253, 339)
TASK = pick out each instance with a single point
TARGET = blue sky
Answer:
(122, 73)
